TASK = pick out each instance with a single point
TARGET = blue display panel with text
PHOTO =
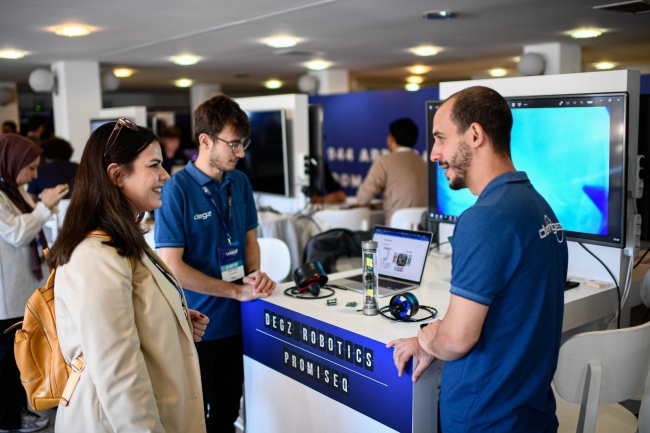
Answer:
(350, 369)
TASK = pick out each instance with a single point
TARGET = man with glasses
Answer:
(205, 232)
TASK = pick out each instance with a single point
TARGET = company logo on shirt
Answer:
(551, 227)
(203, 216)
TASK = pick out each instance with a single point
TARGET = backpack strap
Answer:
(79, 364)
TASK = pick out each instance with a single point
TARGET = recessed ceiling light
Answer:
(425, 50)
(603, 66)
(498, 72)
(72, 31)
(281, 42)
(273, 84)
(186, 60)
(122, 72)
(585, 33)
(183, 82)
(412, 87)
(318, 65)
(415, 80)
(12, 54)
(419, 69)
(438, 15)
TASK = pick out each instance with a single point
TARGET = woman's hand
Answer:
(52, 196)
(199, 323)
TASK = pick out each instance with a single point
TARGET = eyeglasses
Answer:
(116, 131)
(235, 145)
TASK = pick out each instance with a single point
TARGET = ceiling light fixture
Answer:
(183, 82)
(281, 42)
(419, 69)
(425, 50)
(318, 65)
(498, 72)
(415, 80)
(273, 84)
(412, 87)
(186, 60)
(122, 72)
(439, 15)
(72, 31)
(12, 54)
(603, 66)
(585, 33)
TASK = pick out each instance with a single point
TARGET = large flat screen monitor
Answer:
(96, 123)
(267, 159)
(574, 150)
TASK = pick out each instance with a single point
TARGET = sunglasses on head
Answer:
(122, 122)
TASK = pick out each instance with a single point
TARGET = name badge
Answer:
(232, 265)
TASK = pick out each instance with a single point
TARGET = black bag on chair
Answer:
(328, 246)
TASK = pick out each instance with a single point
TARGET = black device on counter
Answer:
(404, 306)
(310, 279)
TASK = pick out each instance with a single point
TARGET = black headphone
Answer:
(310, 278)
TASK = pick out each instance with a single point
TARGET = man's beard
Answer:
(214, 163)
(460, 163)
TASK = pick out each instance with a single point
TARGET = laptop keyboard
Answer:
(383, 282)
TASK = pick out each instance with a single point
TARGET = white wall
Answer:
(581, 264)
(10, 111)
(297, 114)
(79, 99)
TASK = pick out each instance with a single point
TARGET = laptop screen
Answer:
(401, 254)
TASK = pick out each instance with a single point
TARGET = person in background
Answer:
(57, 169)
(23, 269)
(116, 301)
(9, 127)
(400, 176)
(501, 333)
(36, 126)
(170, 139)
(333, 191)
(205, 232)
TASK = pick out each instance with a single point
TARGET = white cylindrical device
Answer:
(370, 278)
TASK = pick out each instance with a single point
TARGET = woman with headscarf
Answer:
(22, 267)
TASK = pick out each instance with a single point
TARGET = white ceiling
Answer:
(370, 38)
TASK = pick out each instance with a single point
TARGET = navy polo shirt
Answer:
(189, 220)
(510, 253)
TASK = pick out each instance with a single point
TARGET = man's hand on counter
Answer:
(261, 282)
(404, 350)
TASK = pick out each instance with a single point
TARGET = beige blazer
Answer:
(142, 369)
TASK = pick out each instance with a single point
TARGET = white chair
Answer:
(596, 370)
(407, 218)
(351, 219)
(275, 259)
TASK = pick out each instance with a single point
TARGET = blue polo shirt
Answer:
(510, 253)
(188, 219)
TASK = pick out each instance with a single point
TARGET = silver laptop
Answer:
(401, 257)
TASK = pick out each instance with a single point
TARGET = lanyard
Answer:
(218, 208)
(171, 280)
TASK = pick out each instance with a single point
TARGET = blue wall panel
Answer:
(356, 126)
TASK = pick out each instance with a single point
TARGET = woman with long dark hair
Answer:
(22, 268)
(117, 304)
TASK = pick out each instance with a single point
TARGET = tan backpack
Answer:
(47, 378)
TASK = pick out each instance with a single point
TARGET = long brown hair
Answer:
(97, 203)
